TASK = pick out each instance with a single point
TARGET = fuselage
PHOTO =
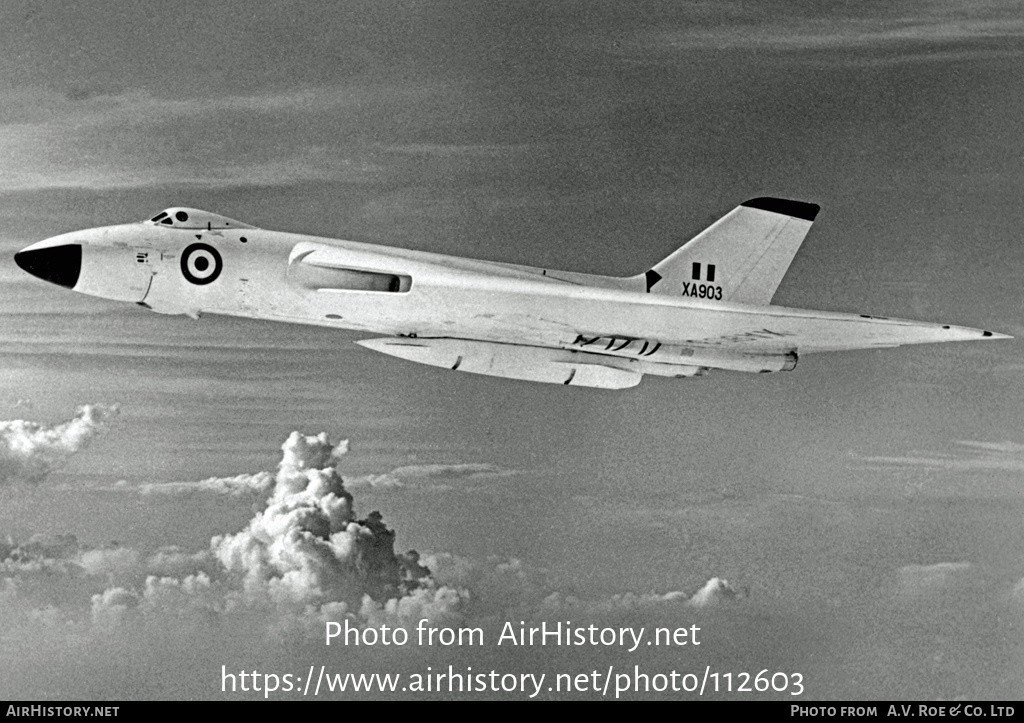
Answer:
(225, 267)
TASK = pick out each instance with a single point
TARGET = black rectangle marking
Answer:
(711, 272)
(696, 271)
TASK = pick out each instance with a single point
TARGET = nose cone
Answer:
(59, 265)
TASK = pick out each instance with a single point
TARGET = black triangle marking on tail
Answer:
(652, 277)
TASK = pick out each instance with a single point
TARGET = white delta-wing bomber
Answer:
(706, 306)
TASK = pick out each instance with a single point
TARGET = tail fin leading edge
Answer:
(742, 257)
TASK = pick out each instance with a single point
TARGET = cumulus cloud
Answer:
(712, 592)
(112, 562)
(305, 556)
(38, 552)
(512, 588)
(30, 451)
(708, 595)
(307, 545)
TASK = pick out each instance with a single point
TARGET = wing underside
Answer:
(767, 342)
(617, 362)
(812, 332)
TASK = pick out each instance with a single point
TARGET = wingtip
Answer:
(994, 335)
(967, 333)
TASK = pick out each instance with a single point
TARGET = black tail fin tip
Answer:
(796, 209)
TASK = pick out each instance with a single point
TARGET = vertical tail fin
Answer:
(742, 257)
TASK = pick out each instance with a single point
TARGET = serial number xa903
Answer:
(702, 291)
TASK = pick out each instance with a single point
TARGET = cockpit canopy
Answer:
(181, 217)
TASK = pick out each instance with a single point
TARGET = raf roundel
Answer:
(201, 264)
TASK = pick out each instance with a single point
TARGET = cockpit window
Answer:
(193, 218)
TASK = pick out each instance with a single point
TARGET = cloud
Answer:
(713, 592)
(304, 554)
(913, 580)
(76, 619)
(486, 150)
(710, 594)
(259, 594)
(38, 552)
(512, 588)
(241, 485)
(307, 545)
(304, 558)
(30, 451)
(52, 141)
(965, 455)
(434, 477)
(112, 562)
(736, 25)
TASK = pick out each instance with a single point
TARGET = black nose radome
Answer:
(57, 264)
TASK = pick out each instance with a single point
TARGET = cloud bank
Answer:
(303, 558)
(78, 620)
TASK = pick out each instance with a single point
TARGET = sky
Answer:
(176, 496)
